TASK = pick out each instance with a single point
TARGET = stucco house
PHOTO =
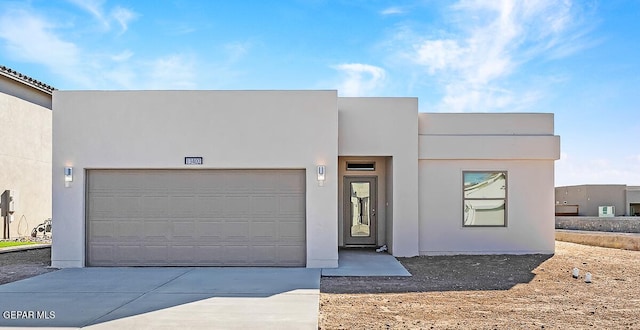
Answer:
(25, 153)
(286, 178)
(589, 200)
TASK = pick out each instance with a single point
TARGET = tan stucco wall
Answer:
(20, 90)
(377, 126)
(590, 197)
(521, 144)
(230, 129)
(25, 161)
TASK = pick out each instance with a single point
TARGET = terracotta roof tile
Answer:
(7, 72)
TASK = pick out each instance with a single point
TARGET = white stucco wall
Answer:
(25, 160)
(486, 124)
(373, 126)
(230, 129)
(521, 144)
(424, 156)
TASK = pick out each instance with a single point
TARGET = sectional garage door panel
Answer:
(196, 218)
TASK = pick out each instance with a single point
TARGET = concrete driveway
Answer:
(171, 298)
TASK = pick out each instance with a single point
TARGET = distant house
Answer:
(587, 199)
(286, 178)
(25, 152)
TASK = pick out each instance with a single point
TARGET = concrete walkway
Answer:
(366, 262)
(170, 298)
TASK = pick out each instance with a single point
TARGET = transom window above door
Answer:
(361, 166)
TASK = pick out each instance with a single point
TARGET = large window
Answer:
(485, 198)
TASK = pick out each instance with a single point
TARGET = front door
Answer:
(360, 220)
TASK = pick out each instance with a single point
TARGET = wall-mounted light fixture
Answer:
(68, 176)
(321, 175)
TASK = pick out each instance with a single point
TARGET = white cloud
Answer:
(94, 7)
(121, 75)
(172, 72)
(392, 11)
(237, 50)
(360, 79)
(31, 38)
(439, 55)
(495, 40)
(123, 16)
(119, 14)
(182, 29)
(123, 56)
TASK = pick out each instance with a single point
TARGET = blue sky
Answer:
(577, 59)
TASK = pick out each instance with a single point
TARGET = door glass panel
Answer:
(360, 206)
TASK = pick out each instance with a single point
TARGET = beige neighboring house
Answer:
(286, 178)
(588, 199)
(25, 152)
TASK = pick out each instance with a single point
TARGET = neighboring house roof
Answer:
(17, 76)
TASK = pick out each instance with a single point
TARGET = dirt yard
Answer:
(15, 266)
(466, 292)
(493, 292)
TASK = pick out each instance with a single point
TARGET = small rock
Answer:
(587, 278)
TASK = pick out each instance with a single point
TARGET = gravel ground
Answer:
(493, 292)
(15, 266)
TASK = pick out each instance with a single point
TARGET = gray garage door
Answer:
(196, 218)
